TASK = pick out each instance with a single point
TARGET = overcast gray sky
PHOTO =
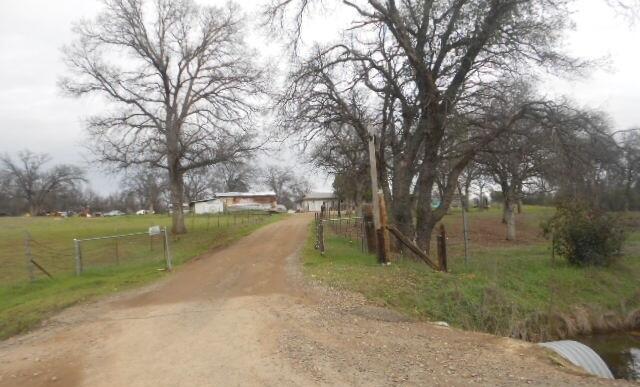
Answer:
(34, 114)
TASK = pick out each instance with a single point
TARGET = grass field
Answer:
(507, 288)
(24, 304)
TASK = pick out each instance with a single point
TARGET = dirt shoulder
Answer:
(245, 316)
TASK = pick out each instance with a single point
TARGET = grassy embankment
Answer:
(506, 288)
(139, 259)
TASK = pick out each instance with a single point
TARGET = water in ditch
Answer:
(620, 350)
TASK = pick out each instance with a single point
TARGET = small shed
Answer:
(312, 202)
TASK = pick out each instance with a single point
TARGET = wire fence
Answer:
(27, 256)
(130, 248)
(224, 219)
(350, 228)
(359, 231)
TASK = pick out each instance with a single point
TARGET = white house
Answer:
(312, 202)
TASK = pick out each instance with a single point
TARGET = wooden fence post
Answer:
(78, 249)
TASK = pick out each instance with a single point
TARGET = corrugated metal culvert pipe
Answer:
(580, 355)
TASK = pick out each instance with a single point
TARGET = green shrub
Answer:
(585, 236)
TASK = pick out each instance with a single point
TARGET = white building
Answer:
(207, 206)
(312, 202)
(235, 201)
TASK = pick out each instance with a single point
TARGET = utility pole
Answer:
(379, 222)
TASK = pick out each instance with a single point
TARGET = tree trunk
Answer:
(511, 222)
(176, 176)
(425, 231)
(33, 209)
(401, 203)
(465, 202)
(177, 194)
(507, 201)
(627, 194)
(519, 204)
(425, 213)
(505, 205)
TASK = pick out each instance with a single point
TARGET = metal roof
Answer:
(319, 195)
(243, 194)
(235, 194)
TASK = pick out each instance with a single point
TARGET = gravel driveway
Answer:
(245, 316)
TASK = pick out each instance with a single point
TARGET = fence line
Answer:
(25, 258)
(79, 260)
(356, 228)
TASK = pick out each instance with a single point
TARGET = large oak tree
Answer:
(422, 75)
(181, 84)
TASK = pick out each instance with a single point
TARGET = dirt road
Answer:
(244, 316)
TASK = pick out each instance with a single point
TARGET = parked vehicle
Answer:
(142, 212)
(114, 213)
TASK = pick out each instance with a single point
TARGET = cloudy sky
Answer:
(34, 114)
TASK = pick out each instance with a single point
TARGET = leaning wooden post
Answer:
(28, 256)
(442, 249)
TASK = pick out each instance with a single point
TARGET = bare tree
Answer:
(288, 187)
(32, 183)
(629, 165)
(471, 174)
(416, 73)
(343, 154)
(277, 179)
(513, 162)
(584, 155)
(197, 185)
(148, 186)
(181, 81)
(236, 176)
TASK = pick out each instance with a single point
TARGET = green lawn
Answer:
(502, 284)
(24, 304)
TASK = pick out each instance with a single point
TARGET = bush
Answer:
(585, 236)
